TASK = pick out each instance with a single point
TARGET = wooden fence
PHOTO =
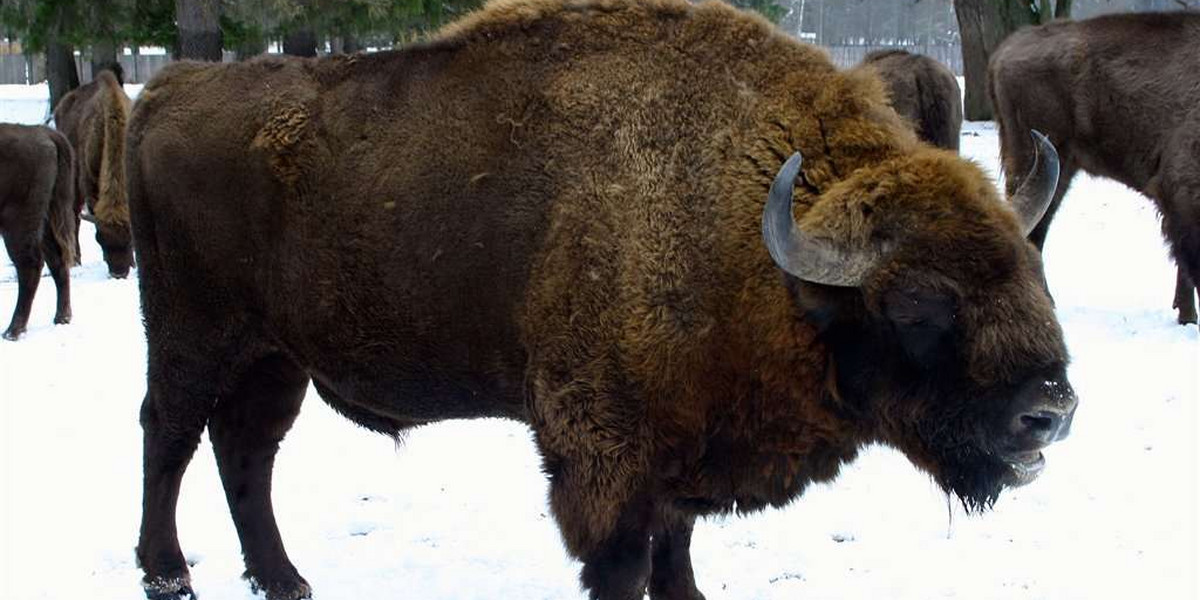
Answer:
(19, 69)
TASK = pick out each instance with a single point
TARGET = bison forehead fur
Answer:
(552, 212)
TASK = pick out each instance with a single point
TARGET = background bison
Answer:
(1119, 96)
(93, 117)
(924, 92)
(574, 214)
(37, 217)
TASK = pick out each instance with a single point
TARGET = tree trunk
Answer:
(344, 44)
(302, 42)
(104, 56)
(199, 29)
(983, 24)
(61, 73)
(250, 47)
(1062, 9)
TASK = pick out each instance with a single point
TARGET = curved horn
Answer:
(89, 218)
(1033, 197)
(806, 258)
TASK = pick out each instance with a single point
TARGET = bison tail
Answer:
(62, 204)
(111, 202)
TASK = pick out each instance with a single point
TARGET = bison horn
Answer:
(806, 258)
(88, 217)
(1033, 197)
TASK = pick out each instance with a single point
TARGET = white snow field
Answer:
(458, 510)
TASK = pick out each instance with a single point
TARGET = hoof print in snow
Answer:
(786, 577)
(842, 537)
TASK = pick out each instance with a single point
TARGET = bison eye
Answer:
(923, 321)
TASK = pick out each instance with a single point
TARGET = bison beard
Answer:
(555, 213)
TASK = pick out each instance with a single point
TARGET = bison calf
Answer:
(1119, 95)
(37, 217)
(578, 214)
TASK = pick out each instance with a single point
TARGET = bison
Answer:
(93, 117)
(573, 214)
(37, 215)
(924, 92)
(1119, 97)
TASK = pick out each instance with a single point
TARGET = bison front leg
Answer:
(246, 429)
(671, 576)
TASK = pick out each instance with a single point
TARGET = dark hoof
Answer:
(63, 320)
(179, 588)
(290, 590)
(12, 335)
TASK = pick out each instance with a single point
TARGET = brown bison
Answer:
(924, 92)
(37, 215)
(558, 212)
(93, 117)
(1119, 96)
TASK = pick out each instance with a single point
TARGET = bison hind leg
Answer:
(27, 258)
(1185, 297)
(246, 428)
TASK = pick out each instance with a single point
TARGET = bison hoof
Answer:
(62, 320)
(178, 588)
(281, 590)
(12, 334)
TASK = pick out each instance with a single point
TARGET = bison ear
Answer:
(824, 306)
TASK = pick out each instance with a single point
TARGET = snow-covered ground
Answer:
(458, 510)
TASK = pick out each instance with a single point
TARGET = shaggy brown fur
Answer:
(1120, 98)
(553, 213)
(37, 218)
(94, 118)
(924, 92)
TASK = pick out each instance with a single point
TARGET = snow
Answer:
(458, 510)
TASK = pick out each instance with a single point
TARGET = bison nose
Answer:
(1045, 418)
(1042, 427)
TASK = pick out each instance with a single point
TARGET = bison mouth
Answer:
(1024, 467)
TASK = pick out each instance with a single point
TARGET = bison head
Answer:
(933, 307)
(116, 242)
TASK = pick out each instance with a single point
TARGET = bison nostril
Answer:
(1042, 425)
(1042, 421)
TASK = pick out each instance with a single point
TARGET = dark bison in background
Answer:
(1119, 96)
(37, 215)
(924, 92)
(574, 214)
(93, 117)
